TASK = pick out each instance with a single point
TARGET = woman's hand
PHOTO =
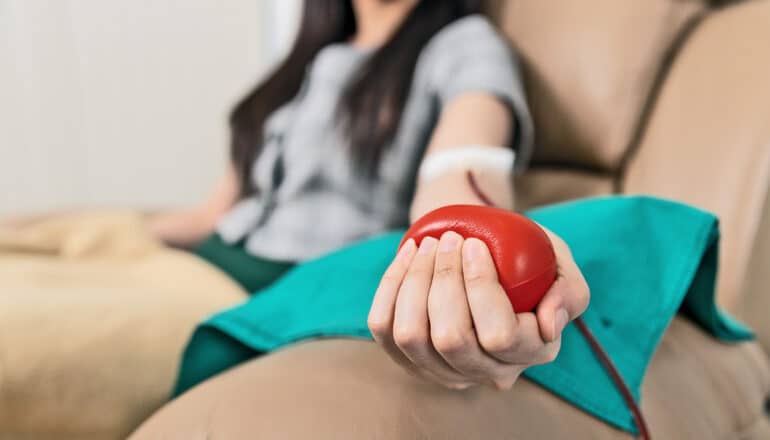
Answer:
(188, 227)
(441, 313)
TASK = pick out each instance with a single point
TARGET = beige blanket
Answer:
(94, 314)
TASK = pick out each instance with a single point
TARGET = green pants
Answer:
(253, 273)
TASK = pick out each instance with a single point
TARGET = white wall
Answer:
(123, 102)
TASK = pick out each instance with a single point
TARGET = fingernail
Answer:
(562, 318)
(448, 242)
(471, 250)
(406, 249)
(427, 245)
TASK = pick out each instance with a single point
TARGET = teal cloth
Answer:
(643, 258)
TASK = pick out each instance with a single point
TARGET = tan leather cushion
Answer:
(696, 388)
(94, 315)
(755, 305)
(589, 67)
(542, 186)
(708, 142)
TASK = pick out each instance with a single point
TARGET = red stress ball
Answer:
(522, 252)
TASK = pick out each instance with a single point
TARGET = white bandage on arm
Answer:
(480, 158)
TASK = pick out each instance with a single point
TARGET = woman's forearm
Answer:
(471, 119)
(453, 188)
(181, 228)
(188, 227)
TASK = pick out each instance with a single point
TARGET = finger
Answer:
(380, 320)
(381, 314)
(451, 325)
(552, 313)
(567, 298)
(526, 346)
(506, 336)
(411, 329)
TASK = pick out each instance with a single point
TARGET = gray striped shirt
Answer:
(311, 201)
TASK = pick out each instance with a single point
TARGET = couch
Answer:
(93, 317)
(662, 97)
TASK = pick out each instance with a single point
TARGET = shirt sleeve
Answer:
(470, 56)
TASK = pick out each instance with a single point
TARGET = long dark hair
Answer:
(372, 104)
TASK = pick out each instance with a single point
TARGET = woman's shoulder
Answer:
(468, 45)
(464, 36)
(470, 55)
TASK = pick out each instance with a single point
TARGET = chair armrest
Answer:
(755, 308)
(349, 389)
(707, 141)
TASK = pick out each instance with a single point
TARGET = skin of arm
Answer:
(470, 119)
(189, 226)
(439, 310)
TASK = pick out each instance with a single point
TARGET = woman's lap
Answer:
(251, 272)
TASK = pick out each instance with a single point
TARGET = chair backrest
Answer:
(664, 97)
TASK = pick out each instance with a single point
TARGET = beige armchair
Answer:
(663, 97)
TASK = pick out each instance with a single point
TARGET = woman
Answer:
(372, 120)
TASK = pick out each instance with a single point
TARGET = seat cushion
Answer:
(349, 389)
(93, 318)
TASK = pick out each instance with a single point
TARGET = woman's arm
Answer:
(189, 226)
(440, 311)
(470, 119)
